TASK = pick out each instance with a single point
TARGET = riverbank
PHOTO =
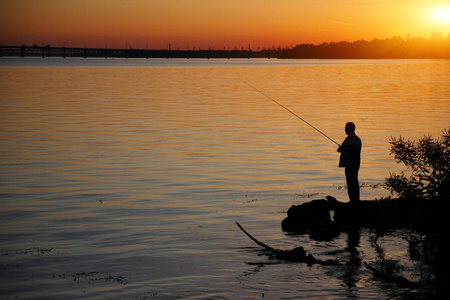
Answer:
(427, 218)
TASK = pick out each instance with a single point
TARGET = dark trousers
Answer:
(351, 175)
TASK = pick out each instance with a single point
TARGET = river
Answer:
(123, 178)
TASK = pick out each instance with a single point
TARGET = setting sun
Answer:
(441, 15)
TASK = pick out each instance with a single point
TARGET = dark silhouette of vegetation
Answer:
(429, 162)
(395, 47)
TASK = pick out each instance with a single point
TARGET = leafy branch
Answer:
(429, 163)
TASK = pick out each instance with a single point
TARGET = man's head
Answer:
(350, 128)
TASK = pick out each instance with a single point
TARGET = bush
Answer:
(429, 164)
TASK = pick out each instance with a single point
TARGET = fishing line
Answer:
(292, 113)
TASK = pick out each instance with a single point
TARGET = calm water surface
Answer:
(123, 178)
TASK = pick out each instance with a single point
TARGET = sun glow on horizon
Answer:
(215, 24)
(441, 15)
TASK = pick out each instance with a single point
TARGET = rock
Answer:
(324, 230)
(312, 217)
(295, 225)
(310, 210)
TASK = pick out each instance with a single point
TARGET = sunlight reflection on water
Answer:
(141, 170)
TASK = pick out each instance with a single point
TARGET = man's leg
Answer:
(351, 175)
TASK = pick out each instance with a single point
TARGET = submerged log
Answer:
(399, 280)
(297, 254)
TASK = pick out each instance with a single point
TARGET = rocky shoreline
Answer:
(325, 219)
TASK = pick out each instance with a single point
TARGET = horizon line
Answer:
(241, 47)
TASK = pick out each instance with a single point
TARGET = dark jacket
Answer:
(350, 152)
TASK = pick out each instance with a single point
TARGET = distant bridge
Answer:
(47, 51)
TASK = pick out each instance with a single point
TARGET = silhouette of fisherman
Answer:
(350, 160)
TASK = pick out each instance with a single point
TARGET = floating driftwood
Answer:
(297, 254)
(400, 280)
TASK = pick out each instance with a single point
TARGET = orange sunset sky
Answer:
(215, 23)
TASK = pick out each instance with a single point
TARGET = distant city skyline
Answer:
(211, 24)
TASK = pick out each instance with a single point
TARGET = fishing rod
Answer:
(293, 113)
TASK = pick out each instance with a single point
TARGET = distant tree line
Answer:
(395, 47)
